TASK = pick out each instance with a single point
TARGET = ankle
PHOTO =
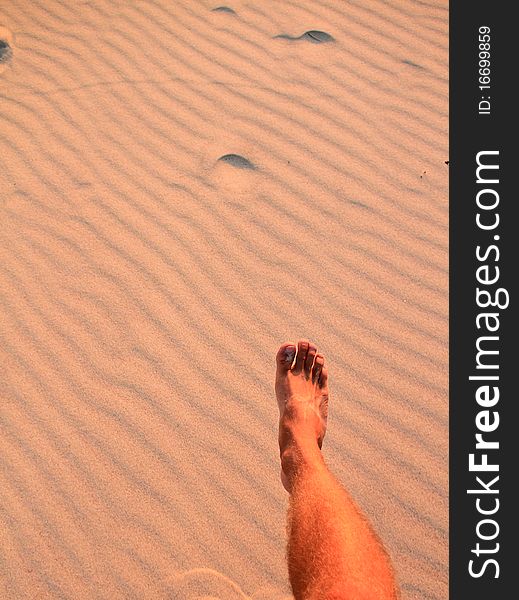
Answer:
(298, 459)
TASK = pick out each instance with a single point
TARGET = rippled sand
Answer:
(184, 186)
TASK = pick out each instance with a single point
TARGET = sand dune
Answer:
(184, 186)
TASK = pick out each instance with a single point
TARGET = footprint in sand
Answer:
(412, 64)
(5, 51)
(203, 583)
(236, 177)
(313, 36)
(207, 584)
(224, 9)
(237, 161)
(6, 47)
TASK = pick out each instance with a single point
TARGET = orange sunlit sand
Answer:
(181, 190)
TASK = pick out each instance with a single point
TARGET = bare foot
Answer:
(302, 395)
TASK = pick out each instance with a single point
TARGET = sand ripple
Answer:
(184, 185)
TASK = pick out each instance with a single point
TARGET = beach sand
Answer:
(181, 190)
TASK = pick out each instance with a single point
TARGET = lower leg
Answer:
(333, 553)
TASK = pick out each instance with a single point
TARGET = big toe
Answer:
(285, 356)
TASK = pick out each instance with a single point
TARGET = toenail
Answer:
(290, 352)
